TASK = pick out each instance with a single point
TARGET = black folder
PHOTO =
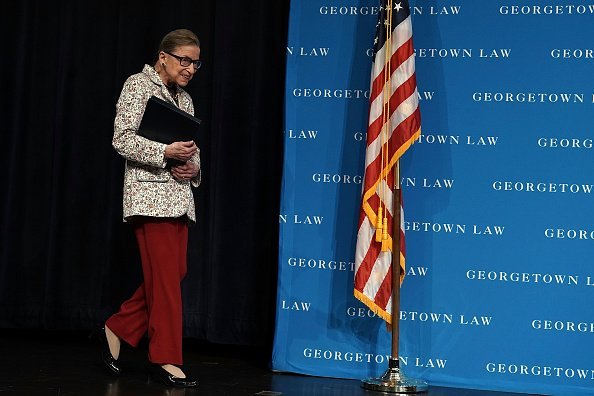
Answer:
(165, 123)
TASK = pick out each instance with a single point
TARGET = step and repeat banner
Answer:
(498, 197)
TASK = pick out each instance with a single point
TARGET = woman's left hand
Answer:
(185, 171)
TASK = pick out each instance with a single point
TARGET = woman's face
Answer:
(173, 71)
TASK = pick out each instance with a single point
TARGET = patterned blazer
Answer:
(149, 187)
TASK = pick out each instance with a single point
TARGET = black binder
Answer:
(165, 123)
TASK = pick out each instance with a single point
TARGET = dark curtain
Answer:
(67, 259)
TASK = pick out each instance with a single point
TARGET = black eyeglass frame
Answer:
(184, 59)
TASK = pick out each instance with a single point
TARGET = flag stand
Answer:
(393, 380)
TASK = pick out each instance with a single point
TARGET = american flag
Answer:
(394, 124)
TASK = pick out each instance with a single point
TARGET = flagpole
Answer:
(396, 269)
(393, 380)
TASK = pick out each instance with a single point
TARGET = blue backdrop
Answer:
(497, 195)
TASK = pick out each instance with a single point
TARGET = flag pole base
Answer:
(393, 381)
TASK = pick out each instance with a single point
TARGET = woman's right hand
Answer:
(181, 151)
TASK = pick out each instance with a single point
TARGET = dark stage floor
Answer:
(44, 363)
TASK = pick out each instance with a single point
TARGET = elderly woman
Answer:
(159, 204)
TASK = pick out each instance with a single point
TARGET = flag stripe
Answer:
(367, 267)
(405, 111)
(402, 54)
(395, 144)
(399, 72)
(385, 291)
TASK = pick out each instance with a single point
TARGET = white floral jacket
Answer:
(149, 187)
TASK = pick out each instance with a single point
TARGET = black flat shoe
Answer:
(109, 362)
(160, 374)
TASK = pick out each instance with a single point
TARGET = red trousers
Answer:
(156, 306)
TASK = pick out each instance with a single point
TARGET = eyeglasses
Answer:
(186, 61)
